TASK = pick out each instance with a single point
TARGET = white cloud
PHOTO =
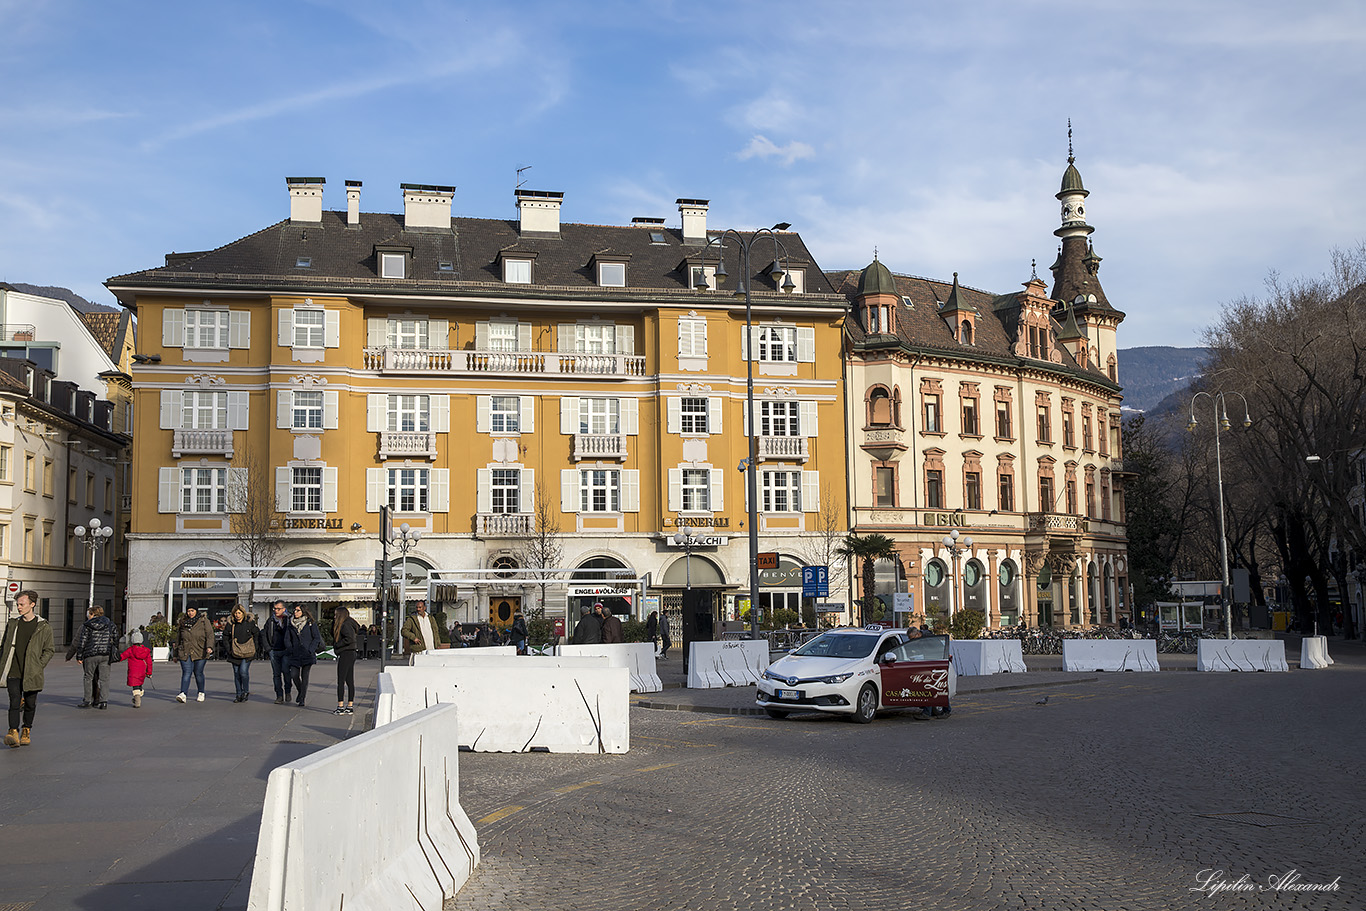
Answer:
(762, 147)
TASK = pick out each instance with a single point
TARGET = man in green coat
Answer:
(24, 654)
(419, 632)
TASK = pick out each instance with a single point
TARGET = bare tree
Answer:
(543, 548)
(253, 523)
(824, 547)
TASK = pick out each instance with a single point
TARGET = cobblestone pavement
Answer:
(1114, 795)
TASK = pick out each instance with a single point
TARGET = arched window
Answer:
(965, 332)
(879, 407)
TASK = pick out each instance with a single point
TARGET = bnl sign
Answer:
(815, 581)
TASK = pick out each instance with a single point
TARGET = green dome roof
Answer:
(876, 279)
(1071, 180)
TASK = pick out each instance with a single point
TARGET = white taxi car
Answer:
(858, 672)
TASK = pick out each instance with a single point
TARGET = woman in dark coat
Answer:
(240, 635)
(193, 646)
(302, 651)
(345, 633)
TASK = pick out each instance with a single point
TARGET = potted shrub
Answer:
(159, 640)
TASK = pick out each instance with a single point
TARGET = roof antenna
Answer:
(1070, 158)
(519, 184)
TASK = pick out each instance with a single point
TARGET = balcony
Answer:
(17, 332)
(201, 442)
(504, 525)
(505, 363)
(786, 449)
(407, 444)
(1055, 524)
(589, 446)
(883, 443)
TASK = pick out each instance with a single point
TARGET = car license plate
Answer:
(789, 694)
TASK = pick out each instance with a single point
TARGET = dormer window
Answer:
(965, 332)
(881, 319)
(392, 265)
(517, 271)
(611, 274)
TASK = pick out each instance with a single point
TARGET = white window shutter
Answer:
(376, 488)
(330, 489)
(331, 329)
(699, 338)
(287, 328)
(330, 407)
(630, 417)
(811, 491)
(239, 328)
(807, 411)
(524, 336)
(675, 418)
(173, 328)
(481, 336)
(439, 334)
(526, 494)
(237, 410)
(569, 490)
(168, 490)
(744, 344)
(527, 406)
(675, 489)
(376, 332)
(718, 483)
(564, 337)
(630, 490)
(685, 337)
(569, 414)
(744, 420)
(237, 489)
(806, 344)
(483, 491)
(482, 404)
(440, 406)
(715, 418)
(626, 339)
(439, 497)
(171, 405)
(376, 412)
(283, 477)
(284, 408)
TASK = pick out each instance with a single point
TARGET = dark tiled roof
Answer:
(107, 328)
(343, 258)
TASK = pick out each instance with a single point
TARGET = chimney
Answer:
(694, 212)
(539, 211)
(353, 203)
(426, 207)
(305, 198)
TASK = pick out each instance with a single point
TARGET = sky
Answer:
(1220, 140)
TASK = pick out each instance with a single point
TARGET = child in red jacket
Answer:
(139, 658)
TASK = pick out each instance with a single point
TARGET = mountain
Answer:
(1152, 374)
(78, 303)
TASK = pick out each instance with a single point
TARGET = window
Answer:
(599, 416)
(879, 408)
(1003, 421)
(1046, 494)
(408, 489)
(595, 338)
(71, 485)
(393, 265)
(1090, 498)
(309, 326)
(972, 490)
(1071, 496)
(965, 332)
(6, 452)
(407, 333)
(89, 490)
(1045, 425)
(206, 328)
(779, 419)
(782, 491)
(884, 486)
(696, 490)
(1007, 485)
(308, 411)
(408, 412)
(517, 271)
(1068, 440)
(1101, 438)
(204, 410)
(506, 490)
(108, 495)
(505, 413)
(879, 319)
(1086, 431)
(599, 491)
(47, 477)
(4, 542)
(306, 490)
(934, 488)
(778, 343)
(612, 275)
(502, 336)
(30, 472)
(970, 417)
(204, 490)
(932, 414)
(692, 338)
(692, 415)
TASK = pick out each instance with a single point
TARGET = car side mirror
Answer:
(887, 658)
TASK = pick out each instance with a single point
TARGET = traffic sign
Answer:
(767, 560)
(12, 589)
(815, 581)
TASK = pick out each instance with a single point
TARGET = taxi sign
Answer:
(767, 560)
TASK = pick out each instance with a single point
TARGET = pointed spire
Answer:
(1091, 260)
(1071, 331)
(955, 303)
(1071, 159)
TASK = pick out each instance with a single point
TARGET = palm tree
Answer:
(869, 549)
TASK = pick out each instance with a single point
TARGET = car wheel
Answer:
(866, 706)
(776, 713)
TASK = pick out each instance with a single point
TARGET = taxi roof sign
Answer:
(767, 560)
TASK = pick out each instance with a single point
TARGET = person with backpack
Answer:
(241, 634)
(95, 644)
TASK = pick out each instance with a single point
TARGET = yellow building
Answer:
(462, 371)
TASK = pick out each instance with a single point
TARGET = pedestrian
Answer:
(588, 631)
(519, 631)
(457, 635)
(345, 636)
(652, 629)
(193, 646)
(95, 643)
(611, 625)
(276, 636)
(24, 655)
(304, 642)
(139, 658)
(241, 635)
(420, 632)
(665, 643)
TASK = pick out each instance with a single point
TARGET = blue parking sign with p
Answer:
(815, 581)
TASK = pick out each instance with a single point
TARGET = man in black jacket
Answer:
(93, 646)
(277, 641)
(589, 628)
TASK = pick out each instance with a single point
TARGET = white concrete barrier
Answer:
(1241, 655)
(517, 704)
(1109, 655)
(1314, 652)
(735, 662)
(369, 823)
(457, 653)
(979, 657)
(637, 657)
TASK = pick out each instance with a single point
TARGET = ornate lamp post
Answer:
(1217, 400)
(405, 540)
(750, 464)
(688, 542)
(93, 537)
(950, 543)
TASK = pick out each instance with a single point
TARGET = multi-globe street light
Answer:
(950, 542)
(405, 540)
(93, 537)
(1221, 422)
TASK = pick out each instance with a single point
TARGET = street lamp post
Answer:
(951, 544)
(1218, 402)
(405, 540)
(93, 537)
(688, 542)
(749, 465)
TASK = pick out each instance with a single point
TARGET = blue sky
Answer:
(1219, 140)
